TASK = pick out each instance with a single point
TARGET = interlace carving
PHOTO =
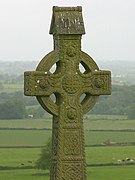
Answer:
(72, 171)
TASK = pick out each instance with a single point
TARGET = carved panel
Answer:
(37, 84)
(97, 83)
(72, 143)
(71, 83)
(72, 171)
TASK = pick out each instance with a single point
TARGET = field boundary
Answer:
(88, 165)
(22, 147)
(111, 130)
(111, 164)
(91, 130)
(16, 167)
(87, 145)
(36, 129)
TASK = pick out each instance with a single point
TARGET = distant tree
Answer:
(30, 101)
(117, 103)
(1, 86)
(131, 112)
(37, 112)
(13, 107)
(45, 157)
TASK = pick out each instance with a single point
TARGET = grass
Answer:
(39, 137)
(98, 173)
(92, 137)
(24, 137)
(111, 173)
(109, 154)
(88, 124)
(94, 155)
(14, 157)
(105, 116)
(26, 123)
(109, 124)
(31, 174)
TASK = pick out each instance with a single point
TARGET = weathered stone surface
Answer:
(68, 83)
(67, 20)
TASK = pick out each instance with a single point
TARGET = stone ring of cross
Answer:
(86, 86)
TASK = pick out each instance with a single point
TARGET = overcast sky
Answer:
(109, 24)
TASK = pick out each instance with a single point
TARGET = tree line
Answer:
(120, 102)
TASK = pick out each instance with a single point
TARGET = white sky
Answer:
(109, 24)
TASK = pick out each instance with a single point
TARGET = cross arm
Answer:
(38, 83)
(97, 83)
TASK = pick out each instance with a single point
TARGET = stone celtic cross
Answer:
(68, 83)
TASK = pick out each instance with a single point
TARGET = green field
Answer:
(109, 154)
(24, 157)
(26, 123)
(30, 174)
(112, 173)
(39, 137)
(24, 137)
(94, 155)
(100, 137)
(14, 157)
(109, 124)
(11, 88)
(88, 124)
(98, 173)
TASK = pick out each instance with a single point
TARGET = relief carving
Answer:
(71, 83)
(72, 144)
(72, 171)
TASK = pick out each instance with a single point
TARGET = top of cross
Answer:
(67, 20)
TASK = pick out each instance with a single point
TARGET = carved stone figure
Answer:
(76, 92)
